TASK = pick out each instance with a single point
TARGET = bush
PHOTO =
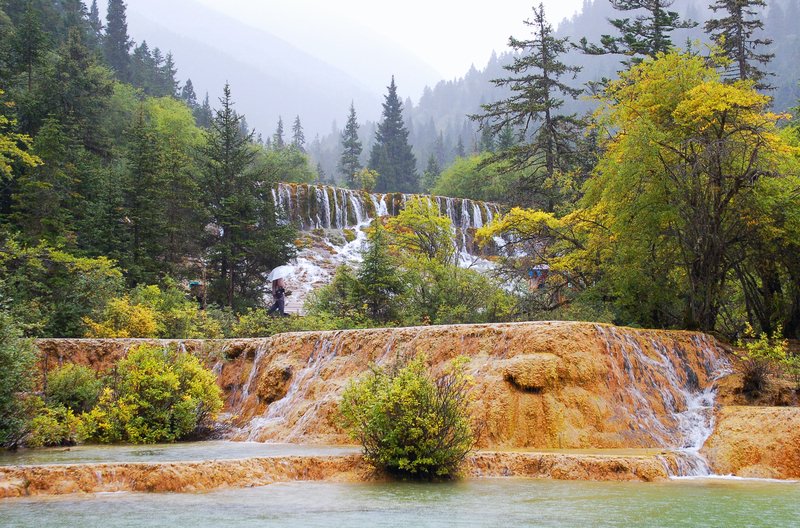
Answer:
(75, 387)
(16, 377)
(150, 311)
(54, 426)
(762, 359)
(408, 423)
(159, 396)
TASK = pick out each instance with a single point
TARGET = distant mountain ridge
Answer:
(269, 77)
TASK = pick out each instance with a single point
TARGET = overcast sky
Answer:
(448, 35)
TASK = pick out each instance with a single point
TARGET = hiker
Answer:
(279, 296)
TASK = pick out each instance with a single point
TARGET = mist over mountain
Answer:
(438, 122)
(269, 77)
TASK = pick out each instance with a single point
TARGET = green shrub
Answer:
(257, 323)
(54, 426)
(763, 356)
(16, 377)
(75, 387)
(159, 396)
(409, 423)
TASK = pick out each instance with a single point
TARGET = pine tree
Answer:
(142, 68)
(277, 137)
(116, 43)
(391, 154)
(535, 84)
(188, 96)
(204, 114)
(431, 174)
(168, 76)
(459, 150)
(646, 35)
(247, 239)
(506, 138)
(350, 160)
(378, 282)
(29, 42)
(298, 138)
(143, 195)
(94, 21)
(734, 34)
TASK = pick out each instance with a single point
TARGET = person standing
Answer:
(279, 297)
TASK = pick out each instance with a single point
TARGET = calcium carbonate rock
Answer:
(532, 372)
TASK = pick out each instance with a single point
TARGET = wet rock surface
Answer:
(760, 442)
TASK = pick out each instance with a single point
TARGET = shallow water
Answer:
(190, 451)
(474, 503)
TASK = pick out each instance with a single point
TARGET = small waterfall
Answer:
(671, 399)
(259, 355)
(324, 352)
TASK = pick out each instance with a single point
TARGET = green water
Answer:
(482, 502)
(165, 453)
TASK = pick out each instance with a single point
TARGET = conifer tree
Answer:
(431, 174)
(169, 81)
(378, 281)
(277, 137)
(143, 194)
(391, 154)
(94, 21)
(350, 160)
(204, 113)
(734, 33)
(459, 150)
(644, 35)
(534, 106)
(116, 42)
(188, 96)
(247, 239)
(29, 42)
(298, 138)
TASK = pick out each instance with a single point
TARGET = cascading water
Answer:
(665, 394)
(321, 206)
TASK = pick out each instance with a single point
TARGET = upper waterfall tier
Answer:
(323, 206)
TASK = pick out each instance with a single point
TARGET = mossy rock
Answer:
(274, 383)
(349, 235)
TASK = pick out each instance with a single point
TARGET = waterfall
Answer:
(671, 399)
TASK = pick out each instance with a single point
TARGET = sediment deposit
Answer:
(759, 442)
(20, 481)
(544, 385)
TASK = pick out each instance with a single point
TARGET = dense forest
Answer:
(129, 206)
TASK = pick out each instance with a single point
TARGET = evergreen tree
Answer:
(116, 42)
(378, 282)
(48, 197)
(77, 92)
(298, 138)
(169, 82)
(277, 137)
(734, 34)
(29, 42)
(431, 174)
(142, 68)
(246, 239)
(204, 114)
(391, 155)
(95, 23)
(459, 150)
(350, 160)
(535, 84)
(143, 195)
(506, 138)
(188, 96)
(645, 35)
